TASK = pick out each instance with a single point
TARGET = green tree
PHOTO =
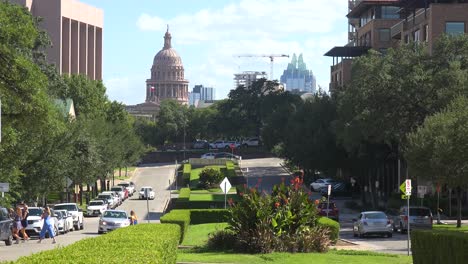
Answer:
(437, 149)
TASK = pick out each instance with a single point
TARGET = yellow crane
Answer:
(271, 56)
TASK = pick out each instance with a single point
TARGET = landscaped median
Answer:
(439, 246)
(143, 243)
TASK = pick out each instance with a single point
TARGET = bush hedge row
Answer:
(186, 173)
(183, 201)
(439, 246)
(142, 243)
(331, 225)
(185, 217)
(230, 169)
(178, 217)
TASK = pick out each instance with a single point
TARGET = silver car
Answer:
(372, 223)
(420, 218)
(113, 219)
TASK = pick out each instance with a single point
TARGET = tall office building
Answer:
(297, 77)
(246, 78)
(75, 30)
(206, 93)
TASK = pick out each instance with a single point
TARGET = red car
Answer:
(333, 212)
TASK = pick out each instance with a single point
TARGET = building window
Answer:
(407, 38)
(390, 12)
(426, 33)
(384, 34)
(416, 36)
(455, 28)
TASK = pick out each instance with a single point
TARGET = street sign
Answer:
(422, 190)
(69, 181)
(408, 187)
(329, 189)
(4, 187)
(404, 196)
(225, 185)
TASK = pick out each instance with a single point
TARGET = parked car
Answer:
(68, 219)
(372, 223)
(62, 224)
(146, 192)
(117, 199)
(35, 221)
(251, 142)
(226, 155)
(209, 155)
(121, 191)
(200, 144)
(320, 183)
(332, 210)
(221, 144)
(130, 188)
(113, 219)
(338, 189)
(6, 226)
(109, 199)
(75, 211)
(420, 218)
(96, 207)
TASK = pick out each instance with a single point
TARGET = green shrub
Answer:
(210, 177)
(179, 217)
(332, 226)
(222, 240)
(431, 246)
(230, 169)
(204, 216)
(142, 243)
(186, 173)
(182, 201)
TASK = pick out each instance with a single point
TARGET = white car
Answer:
(75, 211)
(130, 187)
(146, 192)
(65, 221)
(251, 142)
(372, 223)
(210, 155)
(113, 219)
(96, 207)
(35, 221)
(320, 183)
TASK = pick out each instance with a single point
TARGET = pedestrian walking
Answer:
(17, 217)
(133, 218)
(24, 222)
(47, 226)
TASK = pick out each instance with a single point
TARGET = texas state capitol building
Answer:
(166, 82)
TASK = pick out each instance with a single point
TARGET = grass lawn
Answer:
(463, 228)
(197, 235)
(212, 197)
(332, 257)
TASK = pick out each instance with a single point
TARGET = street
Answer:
(155, 175)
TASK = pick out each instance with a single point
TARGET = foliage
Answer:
(439, 247)
(186, 173)
(178, 217)
(286, 220)
(197, 235)
(437, 150)
(138, 239)
(210, 177)
(183, 199)
(332, 226)
(202, 216)
(221, 240)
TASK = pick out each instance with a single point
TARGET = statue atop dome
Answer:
(167, 39)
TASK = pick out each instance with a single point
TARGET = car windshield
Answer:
(114, 214)
(35, 212)
(143, 189)
(375, 216)
(124, 184)
(68, 207)
(96, 203)
(419, 212)
(116, 189)
(104, 196)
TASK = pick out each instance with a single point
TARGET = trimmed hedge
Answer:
(439, 246)
(332, 225)
(142, 243)
(186, 173)
(179, 217)
(205, 216)
(230, 169)
(184, 218)
(183, 201)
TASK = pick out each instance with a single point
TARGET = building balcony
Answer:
(396, 30)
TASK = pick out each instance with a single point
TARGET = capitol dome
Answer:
(167, 75)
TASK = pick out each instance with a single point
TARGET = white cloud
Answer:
(253, 27)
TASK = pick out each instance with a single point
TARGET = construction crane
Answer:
(271, 56)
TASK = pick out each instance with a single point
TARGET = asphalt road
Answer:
(264, 173)
(156, 175)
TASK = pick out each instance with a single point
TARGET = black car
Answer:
(338, 189)
(6, 226)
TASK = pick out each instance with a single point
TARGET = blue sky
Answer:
(208, 34)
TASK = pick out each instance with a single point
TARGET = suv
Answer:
(6, 225)
(36, 223)
(75, 211)
(420, 217)
(332, 210)
(200, 144)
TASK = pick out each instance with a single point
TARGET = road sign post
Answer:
(4, 187)
(408, 194)
(147, 192)
(225, 187)
(328, 198)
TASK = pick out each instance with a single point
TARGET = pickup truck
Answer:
(75, 211)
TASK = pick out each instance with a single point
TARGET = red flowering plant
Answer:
(284, 220)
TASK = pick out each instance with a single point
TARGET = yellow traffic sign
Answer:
(403, 187)
(404, 196)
